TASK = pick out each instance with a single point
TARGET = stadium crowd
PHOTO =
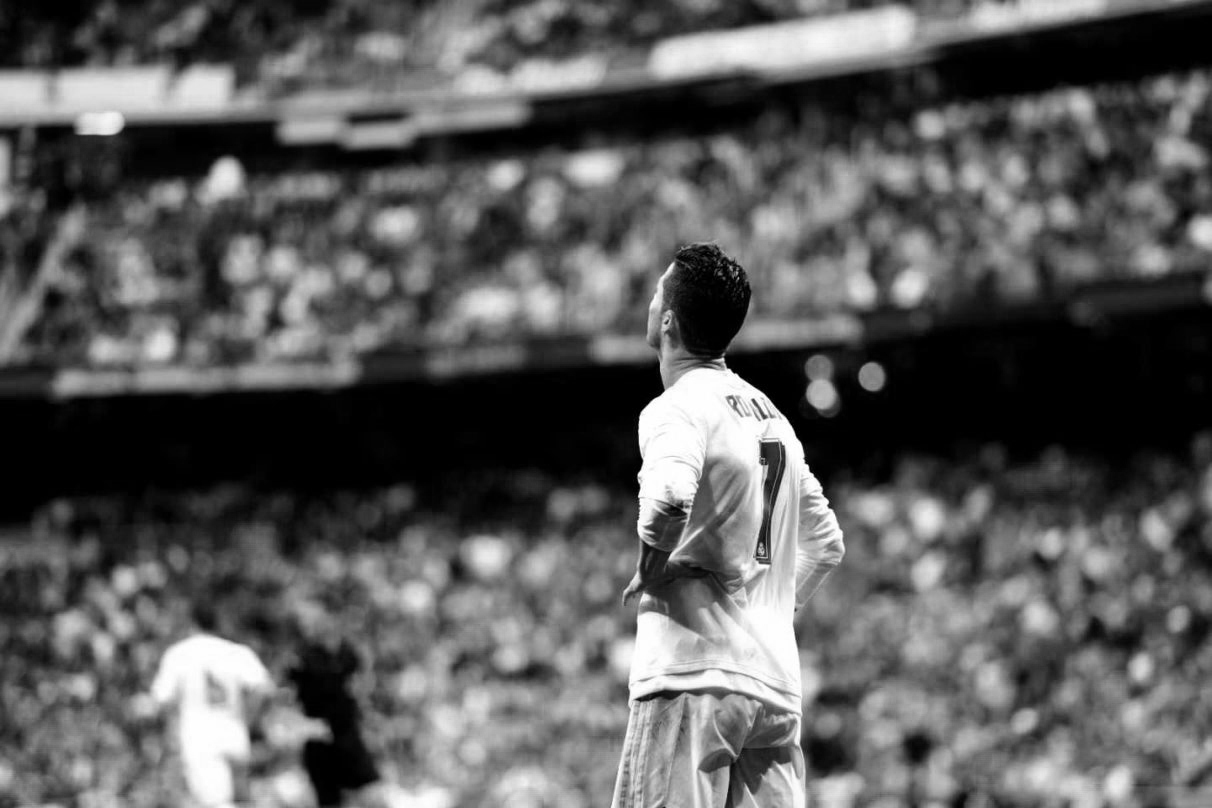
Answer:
(991, 201)
(1002, 632)
(351, 42)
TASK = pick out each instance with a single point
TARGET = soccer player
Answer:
(339, 764)
(735, 536)
(215, 688)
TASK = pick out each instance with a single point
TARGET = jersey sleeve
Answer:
(164, 686)
(673, 449)
(255, 675)
(820, 546)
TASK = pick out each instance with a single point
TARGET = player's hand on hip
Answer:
(670, 573)
(634, 589)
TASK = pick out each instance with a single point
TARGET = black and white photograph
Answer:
(606, 404)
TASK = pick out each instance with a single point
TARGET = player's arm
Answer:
(673, 449)
(165, 686)
(820, 547)
(657, 521)
(257, 689)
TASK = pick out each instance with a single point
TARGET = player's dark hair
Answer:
(709, 294)
(205, 615)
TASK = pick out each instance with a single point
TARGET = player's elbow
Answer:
(835, 546)
(829, 541)
(660, 524)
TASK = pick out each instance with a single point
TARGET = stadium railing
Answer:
(1091, 307)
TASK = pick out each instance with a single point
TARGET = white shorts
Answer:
(710, 750)
(214, 757)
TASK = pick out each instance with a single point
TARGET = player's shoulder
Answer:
(215, 647)
(676, 405)
(668, 401)
(239, 660)
(170, 660)
(688, 391)
(239, 651)
(251, 661)
(188, 653)
(185, 647)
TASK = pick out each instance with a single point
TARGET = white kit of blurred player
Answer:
(214, 687)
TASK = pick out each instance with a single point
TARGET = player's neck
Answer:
(677, 362)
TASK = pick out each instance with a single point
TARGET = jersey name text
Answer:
(758, 408)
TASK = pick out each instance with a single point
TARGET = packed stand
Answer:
(1000, 632)
(279, 45)
(483, 639)
(978, 203)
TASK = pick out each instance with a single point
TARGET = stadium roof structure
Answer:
(709, 65)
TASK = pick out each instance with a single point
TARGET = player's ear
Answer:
(670, 326)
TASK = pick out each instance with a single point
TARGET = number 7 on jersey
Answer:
(773, 457)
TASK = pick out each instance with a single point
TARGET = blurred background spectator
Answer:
(322, 675)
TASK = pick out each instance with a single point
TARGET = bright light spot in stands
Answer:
(225, 180)
(819, 367)
(872, 377)
(102, 124)
(1178, 619)
(823, 396)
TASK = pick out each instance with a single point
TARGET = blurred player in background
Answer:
(338, 763)
(215, 690)
(735, 536)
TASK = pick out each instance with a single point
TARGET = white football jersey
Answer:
(209, 679)
(715, 447)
